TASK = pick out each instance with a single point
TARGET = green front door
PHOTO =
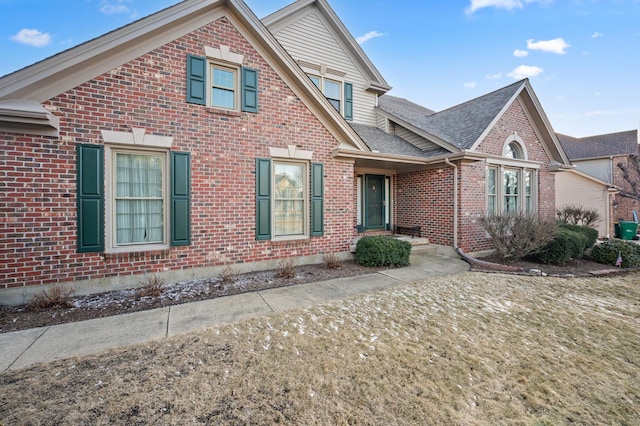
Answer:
(374, 202)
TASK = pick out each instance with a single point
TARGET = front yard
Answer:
(469, 349)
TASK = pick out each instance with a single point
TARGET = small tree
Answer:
(516, 235)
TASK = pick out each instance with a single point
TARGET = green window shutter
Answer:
(196, 80)
(180, 198)
(317, 199)
(263, 199)
(249, 90)
(348, 101)
(90, 198)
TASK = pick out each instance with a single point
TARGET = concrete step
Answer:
(418, 244)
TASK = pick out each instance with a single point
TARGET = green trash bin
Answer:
(616, 229)
(628, 230)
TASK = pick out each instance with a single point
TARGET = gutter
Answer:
(374, 155)
(455, 202)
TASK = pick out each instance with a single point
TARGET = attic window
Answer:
(514, 147)
(512, 150)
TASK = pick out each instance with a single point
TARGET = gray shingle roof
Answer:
(461, 125)
(611, 144)
(377, 140)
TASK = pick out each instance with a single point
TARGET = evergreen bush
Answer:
(607, 253)
(590, 234)
(570, 242)
(382, 250)
(566, 244)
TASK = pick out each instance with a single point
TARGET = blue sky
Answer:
(582, 56)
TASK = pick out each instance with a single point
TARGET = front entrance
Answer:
(375, 202)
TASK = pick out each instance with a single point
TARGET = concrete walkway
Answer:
(24, 348)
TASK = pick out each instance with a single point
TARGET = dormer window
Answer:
(339, 95)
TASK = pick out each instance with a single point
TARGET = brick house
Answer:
(201, 137)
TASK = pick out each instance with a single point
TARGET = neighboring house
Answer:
(576, 188)
(201, 137)
(611, 159)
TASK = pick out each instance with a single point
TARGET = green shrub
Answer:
(570, 242)
(382, 251)
(590, 234)
(566, 244)
(607, 253)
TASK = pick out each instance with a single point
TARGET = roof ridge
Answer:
(519, 82)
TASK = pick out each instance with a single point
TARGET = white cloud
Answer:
(596, 35)
(113, 7)
(520, 53)
(470, 85)
(32, 37)
(368, 36)
(500, 4)
(525, 71)
(557, 45)
(494, 76)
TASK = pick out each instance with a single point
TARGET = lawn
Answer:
(468, 349)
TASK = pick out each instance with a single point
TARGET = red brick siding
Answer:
(426, 198)
(38, 208)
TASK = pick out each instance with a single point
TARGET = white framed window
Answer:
(137, 206)
(511, 189)
(331, 89)
(492, 190)
(291, 199)
(224, 86)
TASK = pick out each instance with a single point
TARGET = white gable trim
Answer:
(137, 137)
(27, 116)
(223, 53)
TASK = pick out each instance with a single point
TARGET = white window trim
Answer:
(306, 203)
(237, 95)
(291, 154)
(110, 179)
(136, 141)
(514, 137)
(223, 57)
(500, 169)
(333, 78)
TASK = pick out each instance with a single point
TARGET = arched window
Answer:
(513, 150)
(514, 147)
(512, 185)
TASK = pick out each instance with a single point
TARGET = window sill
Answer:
(221, 111)
(137, 254)
(293, 241)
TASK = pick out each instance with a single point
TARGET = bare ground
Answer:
(469, 349)
(133, 300)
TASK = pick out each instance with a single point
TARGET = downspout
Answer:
(455, 202)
